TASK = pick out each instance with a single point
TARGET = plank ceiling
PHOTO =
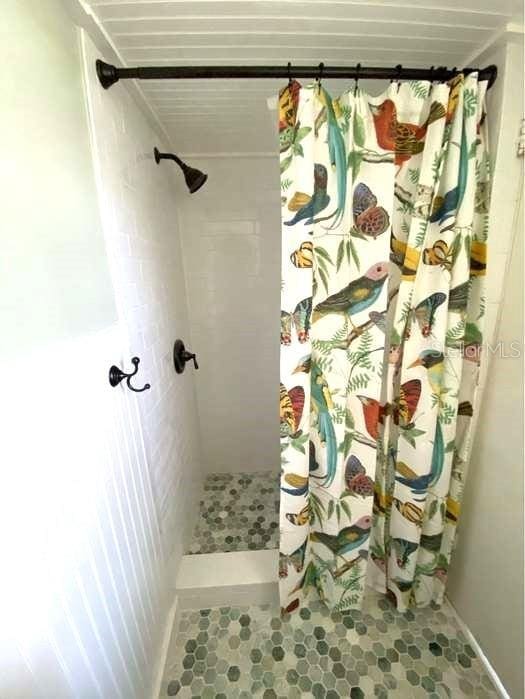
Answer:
(208, 116)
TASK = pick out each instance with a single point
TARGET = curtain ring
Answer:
(442, 70)
(399, 69)
(357, 71)
(289, 74)
(320, 77)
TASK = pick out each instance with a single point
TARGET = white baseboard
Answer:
(491, 672)
(225, 579)
(172, 621)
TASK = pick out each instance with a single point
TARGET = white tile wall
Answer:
(139, 210)
(231, 244)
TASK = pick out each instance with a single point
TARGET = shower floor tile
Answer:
(243, 652)
(238, 512)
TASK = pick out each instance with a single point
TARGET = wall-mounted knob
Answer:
(181, 356)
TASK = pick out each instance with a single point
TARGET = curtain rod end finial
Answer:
(107, 74)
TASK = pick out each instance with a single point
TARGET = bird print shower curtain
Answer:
(384, 232)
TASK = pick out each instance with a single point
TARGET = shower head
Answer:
(194, 178)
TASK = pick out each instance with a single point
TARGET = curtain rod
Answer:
(108, 74)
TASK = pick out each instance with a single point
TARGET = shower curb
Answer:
(228, 579)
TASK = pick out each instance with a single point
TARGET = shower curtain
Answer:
(384, 230)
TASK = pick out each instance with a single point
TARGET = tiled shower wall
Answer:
(231, 244)
(139, 209)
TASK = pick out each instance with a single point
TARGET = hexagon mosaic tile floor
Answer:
(243, 652)
(238, 512)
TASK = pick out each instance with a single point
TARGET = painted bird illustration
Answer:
(373, 413)
(432, 360)
(304, 365)
(420, 484)
(337, 154)
(356, 296)
(348, 539)
(298, 484)
(322, 404)
(307, 207)
(403, 138)
(447, 206)
(402, 410)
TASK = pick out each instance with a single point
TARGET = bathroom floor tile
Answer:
(238, 512)
(243, 652)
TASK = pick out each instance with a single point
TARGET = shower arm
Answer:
(109, 74)
(167, 156)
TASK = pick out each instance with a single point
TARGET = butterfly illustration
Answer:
(425, 311)
(295, 559)
(403, 549)
(356, 479)
(291, 404)
(410, 512)
(439, 254)
(303, 256)
(300, 318)
(407, 402)
(299, 519)
(369, 219)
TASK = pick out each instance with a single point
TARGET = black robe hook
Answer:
(116, 375)
(289, 67)
(357, 71)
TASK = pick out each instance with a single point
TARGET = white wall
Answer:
(82, 601)
(486, 575)
(97, 482)
(231, 244)
(139, 208)
(54, 277)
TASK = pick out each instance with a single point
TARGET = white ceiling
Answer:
(210, 116)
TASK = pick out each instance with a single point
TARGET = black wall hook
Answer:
(289, 74)
(116, 375)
